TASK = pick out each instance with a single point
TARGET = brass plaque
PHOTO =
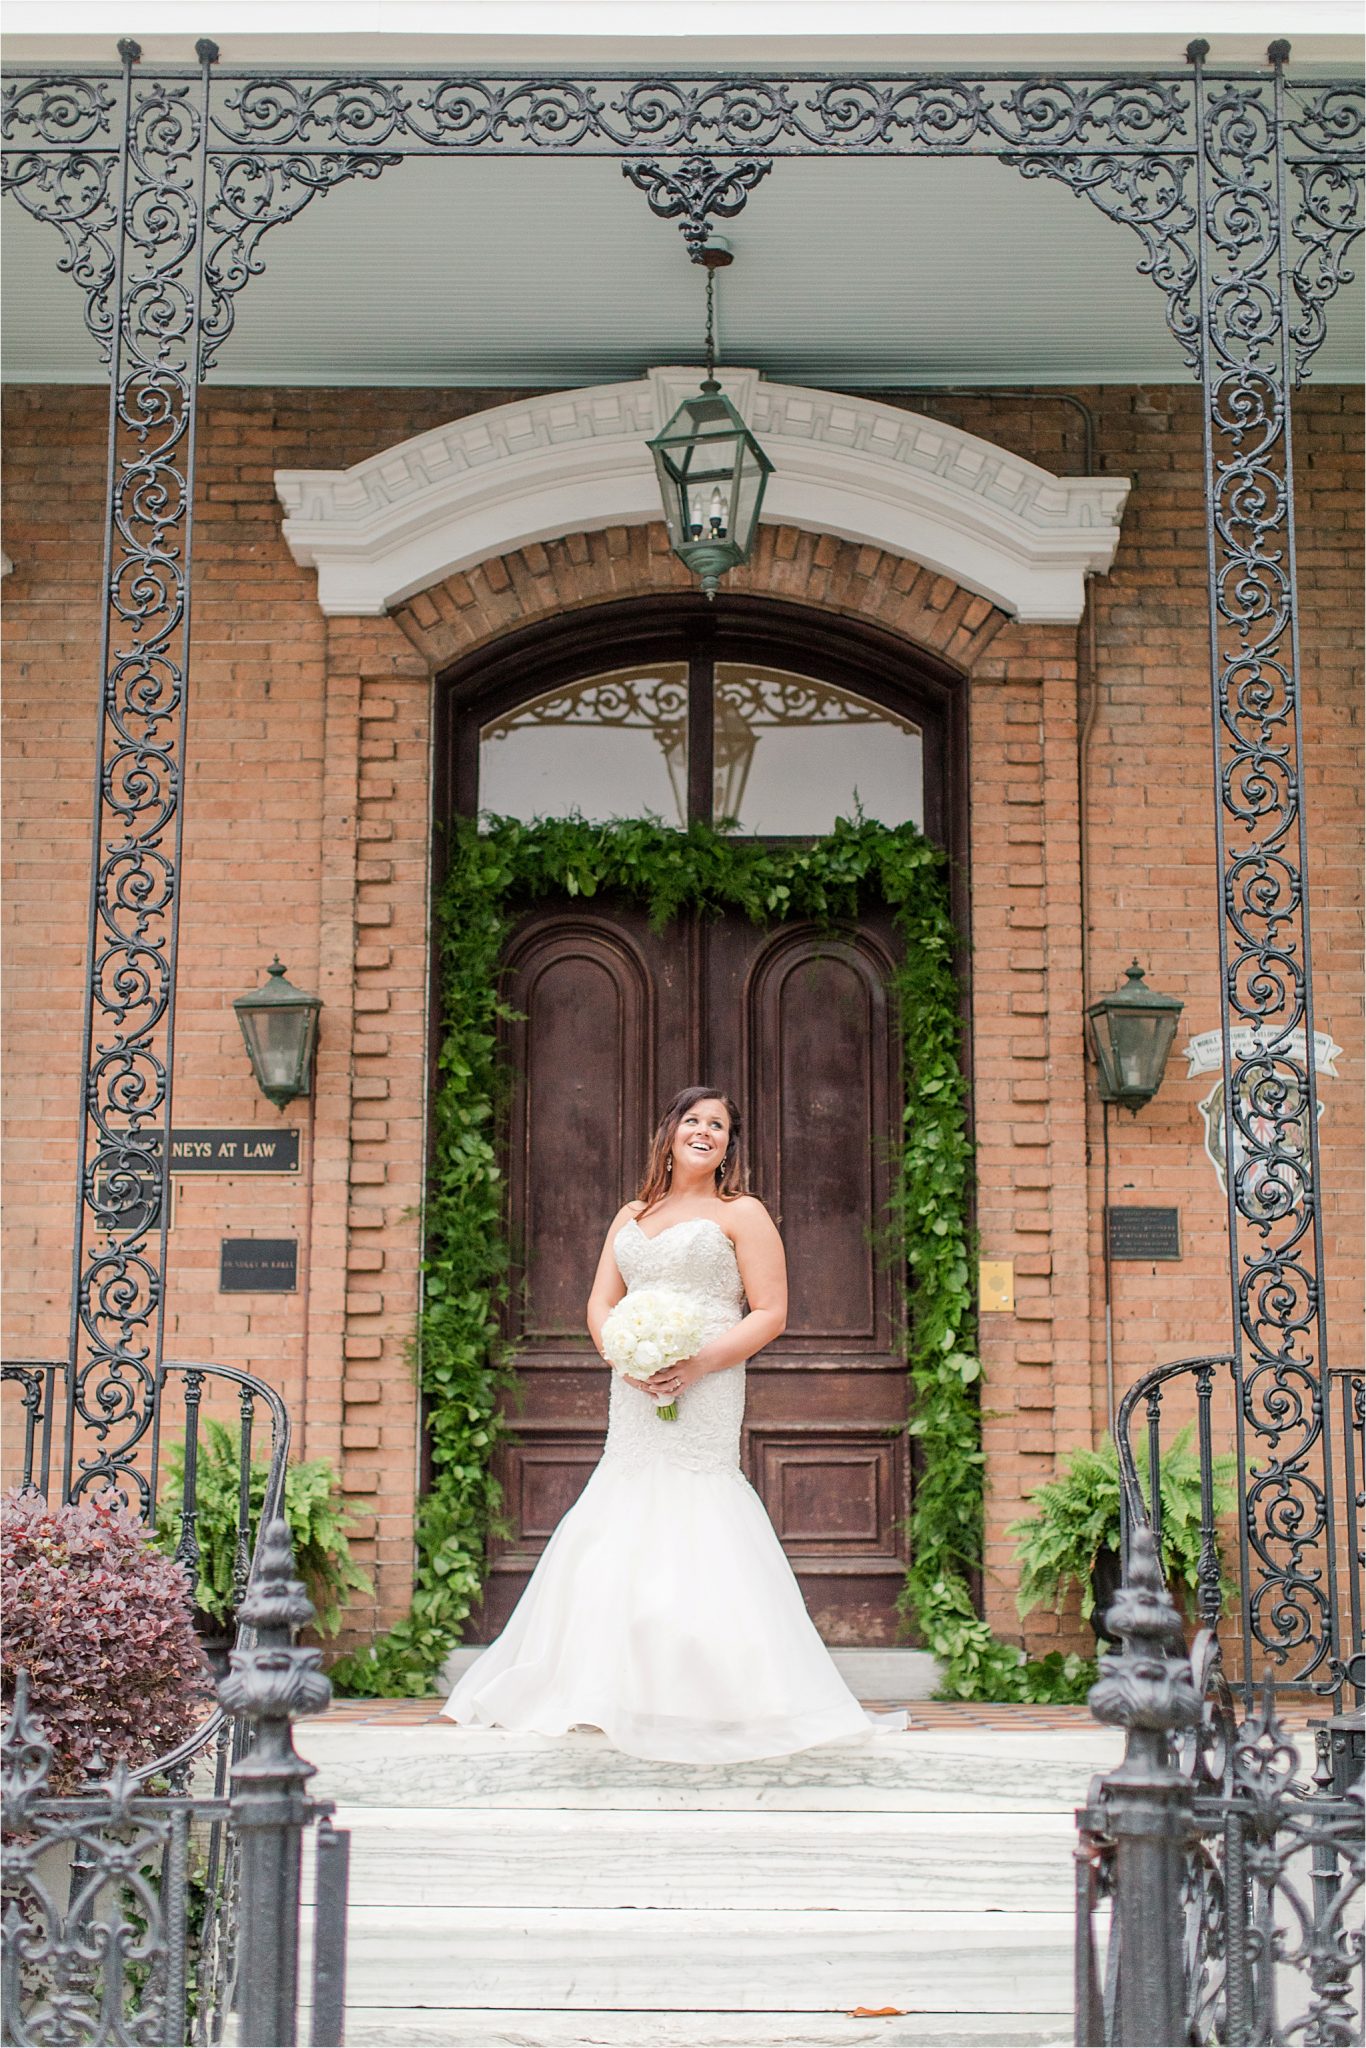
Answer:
(996, 1287)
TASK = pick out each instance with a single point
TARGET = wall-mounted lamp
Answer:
(280, 1025)
(1131, 1037)
(1131, 1034)
(712, 472)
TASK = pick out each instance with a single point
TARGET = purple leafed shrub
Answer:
(102, 1623)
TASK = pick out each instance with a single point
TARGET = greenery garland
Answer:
(498, 868)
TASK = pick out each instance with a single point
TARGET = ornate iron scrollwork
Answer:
(251, 195)
(76, 195)
(1274, 1216)
(1322, 134)
(120, 1228)
(701, 114)
(698, 190)
(161, 236)
(1234, 248)
(1152, 195)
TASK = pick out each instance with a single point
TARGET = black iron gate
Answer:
(149, 1909)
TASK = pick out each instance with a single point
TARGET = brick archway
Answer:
(467, 611)
(1026, 1051)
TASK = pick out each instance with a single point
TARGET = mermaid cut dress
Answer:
(663, 1610)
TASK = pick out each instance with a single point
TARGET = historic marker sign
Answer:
(258, 1265)
(1144, 1234)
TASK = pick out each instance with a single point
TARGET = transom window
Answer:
(757, 748)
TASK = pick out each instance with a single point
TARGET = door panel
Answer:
(827, 1495)
(802, 1014)
(600, 1030)
(816, 1026)
(794, 1021)
(549, 1477)
(585, 1073)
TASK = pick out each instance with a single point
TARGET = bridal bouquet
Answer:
(649, 1330)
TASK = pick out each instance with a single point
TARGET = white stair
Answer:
(887, 1674)
(520, 1892)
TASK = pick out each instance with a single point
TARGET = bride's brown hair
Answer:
(729, 1181)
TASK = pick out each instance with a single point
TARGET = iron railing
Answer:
(157, 1845)
(134, 1912)
(1219, 1874)
(1280, 1581)
(63, 1453)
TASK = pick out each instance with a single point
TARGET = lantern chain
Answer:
(710, 383)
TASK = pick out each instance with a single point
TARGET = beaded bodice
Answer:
(697, 1257)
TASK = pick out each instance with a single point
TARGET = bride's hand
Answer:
(672, 1380)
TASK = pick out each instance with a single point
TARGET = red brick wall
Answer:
(307, 833)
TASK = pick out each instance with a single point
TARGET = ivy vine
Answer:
(495, 871)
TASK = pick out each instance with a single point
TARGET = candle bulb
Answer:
(718, 515)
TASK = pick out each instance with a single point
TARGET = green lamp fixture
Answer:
(280, 1025)
(712, 472)
(1131, 1034)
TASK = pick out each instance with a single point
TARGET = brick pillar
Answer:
(1028, 1077)
(319, 1425)
(375, 946)
(1066, 1274)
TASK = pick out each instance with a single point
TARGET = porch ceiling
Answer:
(519, 272)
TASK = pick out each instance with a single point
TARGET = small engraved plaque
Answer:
(1145, 1235)
(258, 1265)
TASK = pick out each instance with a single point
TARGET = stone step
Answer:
(533, 1892)
(381, 2027)
(880, 1674)
(407, 1958)
(461, 1856)
(441, 1765)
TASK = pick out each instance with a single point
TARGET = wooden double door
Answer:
(794, 1022)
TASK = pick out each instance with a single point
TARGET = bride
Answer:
(663, 1610)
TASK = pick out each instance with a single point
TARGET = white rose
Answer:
(648, 1357)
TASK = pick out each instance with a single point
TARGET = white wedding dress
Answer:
(663, 1610)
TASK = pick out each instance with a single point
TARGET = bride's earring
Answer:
(669, 1167)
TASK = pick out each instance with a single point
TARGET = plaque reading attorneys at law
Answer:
(252, 1148)
(1144, 1235)
(258, 1265)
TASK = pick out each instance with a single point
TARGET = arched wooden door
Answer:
(791, 1019)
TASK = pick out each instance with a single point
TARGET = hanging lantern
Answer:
(1131, 1034)
(280, 1025)
(712, 472)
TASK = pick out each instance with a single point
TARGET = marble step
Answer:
(410, 1958)
(457, 1857)
(380, 2027)
(881, 1674)
(441, 1765)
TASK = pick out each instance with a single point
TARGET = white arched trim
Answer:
(576, 461)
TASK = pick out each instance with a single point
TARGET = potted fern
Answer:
(1073, 1536)
(313, 1507)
